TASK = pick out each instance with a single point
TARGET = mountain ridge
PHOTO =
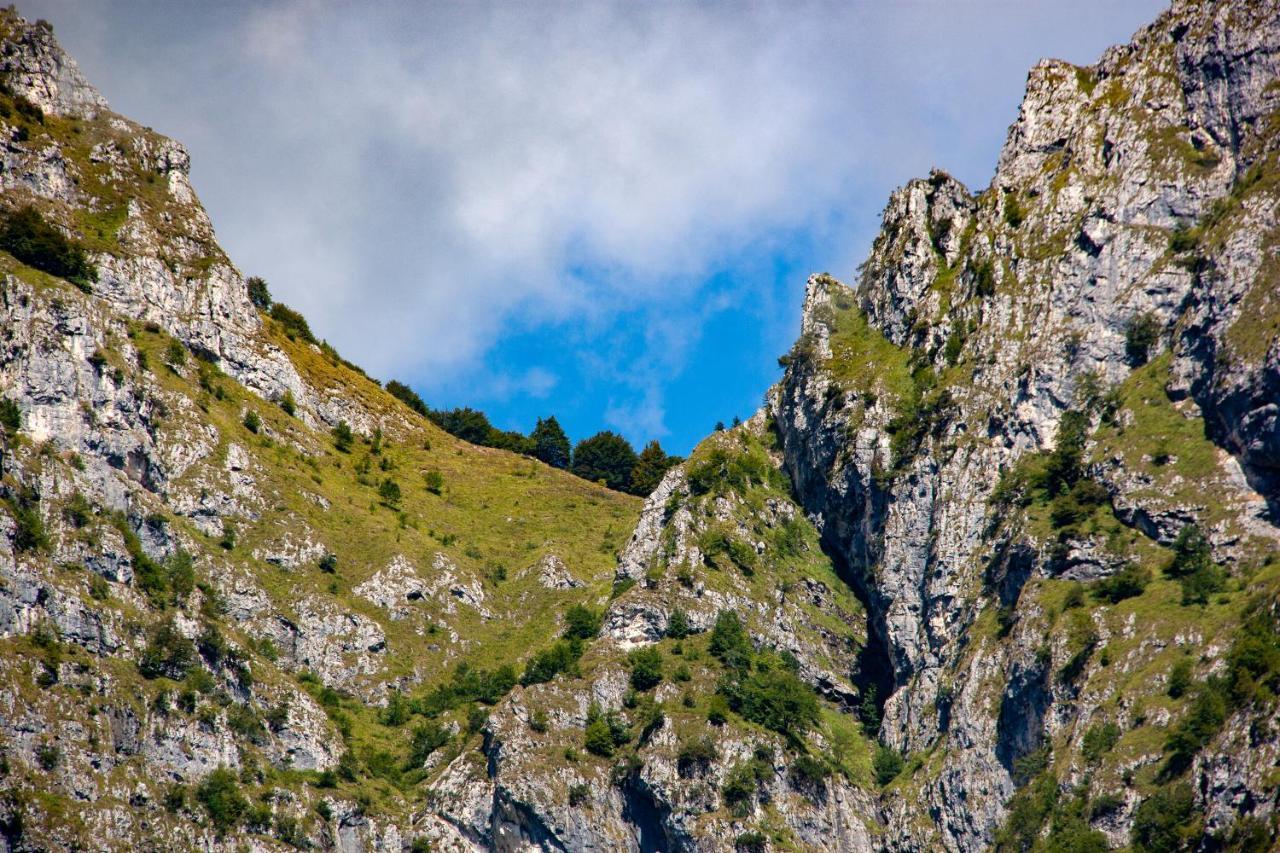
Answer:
(994, 566)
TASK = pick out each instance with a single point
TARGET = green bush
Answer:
(294, 324)
(1013, 211)
(468, 684)
(389, 492)
(259, 294)
(651, 466)
(427, 738)
(775, 698)
(581, 623)
(1203, 720)
(287, 404)
(252, 422)
(29, 533)
(434, 481)
(220, 795)
(1099, 740)
(744, 780)
(646, 668)
(1140, 335)
(1167, 821)
(579, 794)
(729, 641)
(721, 471)
(397, 710)
(1028, 810)
(26, 235)
(175, 354)
(887, 764)
(696, 756)
(1193, 567)
(562, 656)
(1129, 582)
(677, 625)
(604, 732)
(10, 415)
(167, 654)
(342, 437)
(1179, 679)
(751, 842)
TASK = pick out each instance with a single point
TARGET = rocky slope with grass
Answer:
(995, 565)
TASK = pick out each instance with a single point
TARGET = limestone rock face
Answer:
(1002, 540)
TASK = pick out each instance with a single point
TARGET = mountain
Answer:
(996, 565)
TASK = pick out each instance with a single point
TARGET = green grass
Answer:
(862, 358)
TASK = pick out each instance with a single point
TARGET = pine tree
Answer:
(650, 469)
(550, 444)
(605, 457)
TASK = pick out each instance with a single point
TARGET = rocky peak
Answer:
(35, 67)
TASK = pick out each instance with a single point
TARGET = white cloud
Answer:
(420, 177)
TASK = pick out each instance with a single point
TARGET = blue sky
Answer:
(603, 211)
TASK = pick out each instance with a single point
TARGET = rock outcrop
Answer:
(995, 565)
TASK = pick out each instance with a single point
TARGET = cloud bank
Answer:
(428, 182)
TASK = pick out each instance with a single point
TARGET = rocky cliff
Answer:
(995, 565)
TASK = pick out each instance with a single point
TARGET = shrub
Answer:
(604, 733)
(581, 623)
(167, 654)
(329, 564)
(717, 710)
(294, 324)
(1166, 821)
(696, 756)
(342, 437)
(1099, 740)
(809, 772)
(729, 641)
(562, 656)
(252, 422)
(776, 699)
(1140, 335)
(1028, 810)
(434, 481)
(605, 457)
(1202, 721)
(1193, 567)
(220, 795)
(427, 738)
(1129, 582)
(397, 710)
(538, 720)
(77, 511)
(288, 404)
(259, 295)
(1179, 679)
(389, 492)
(408, 396)
(26, 235)
(48, 756)
(677, 625)
(1013, 211)
(751, 842)
(176, 354)
(646, 668)
(579, 794)
(10, 415)
(29, 534)
(469, 684)
(887, 764)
